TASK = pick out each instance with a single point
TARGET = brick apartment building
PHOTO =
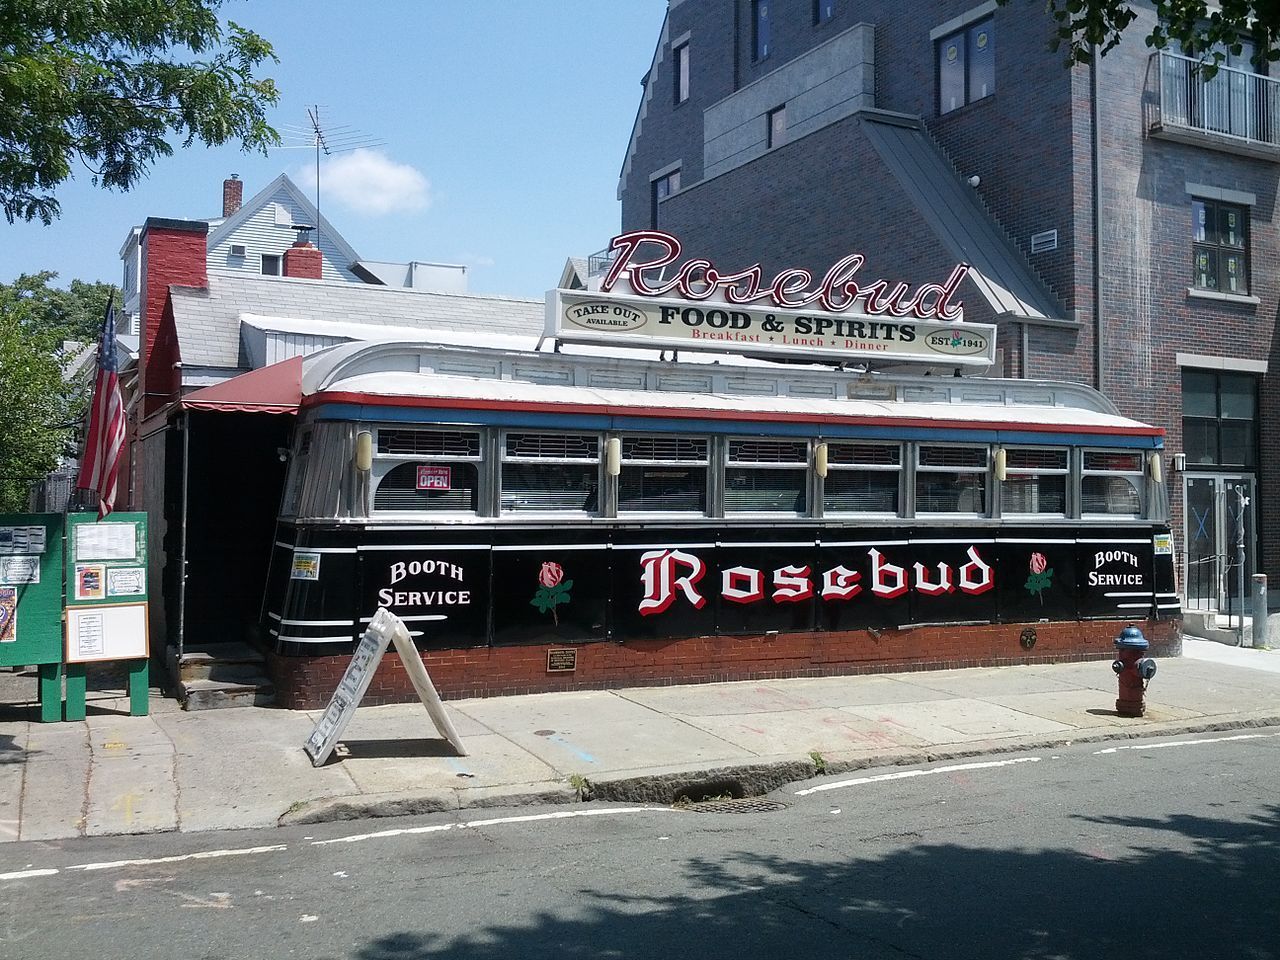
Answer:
(1120, 218)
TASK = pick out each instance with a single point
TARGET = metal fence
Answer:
(1233, 103)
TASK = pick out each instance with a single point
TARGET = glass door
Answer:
(1218, 521)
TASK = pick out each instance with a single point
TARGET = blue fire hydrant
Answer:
(1133, 670)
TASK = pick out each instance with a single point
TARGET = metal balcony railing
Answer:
(598, 263)
(1234, 103)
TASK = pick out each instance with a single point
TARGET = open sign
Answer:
(435, 478)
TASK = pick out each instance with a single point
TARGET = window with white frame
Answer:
(420, 469)
(766, 476)
(1111, 483)
(1035, 482)
(550, 471)
(951, 479)
(862, 478)
(667, 474)
(271, 264)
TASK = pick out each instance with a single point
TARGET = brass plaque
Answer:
(562, 661)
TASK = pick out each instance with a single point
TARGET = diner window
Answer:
(427, 470)
(766, 476)
(759, 29)
(271, 264)
(1220, 247)
(1111, 484)
(823, 10)
(296, 474)
(862, 478)
(1035, 482)
(777, 127)
(951, 479)
(966, 66)
(1219, 419)
(551, 471)
(661, 188)
(667, 474)
(680, 58)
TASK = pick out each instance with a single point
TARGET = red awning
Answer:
(273, 389)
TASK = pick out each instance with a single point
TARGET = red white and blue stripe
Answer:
(104, 446)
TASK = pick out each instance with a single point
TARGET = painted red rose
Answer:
(1038, 563)
(550, 574)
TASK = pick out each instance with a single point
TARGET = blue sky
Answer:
(504, 126)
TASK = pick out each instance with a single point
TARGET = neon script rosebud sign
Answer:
(791, 289)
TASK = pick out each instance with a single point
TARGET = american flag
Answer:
(100, 468)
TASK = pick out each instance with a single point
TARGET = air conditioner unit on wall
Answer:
(237, 250)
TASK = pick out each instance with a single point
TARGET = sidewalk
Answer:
(244, 767)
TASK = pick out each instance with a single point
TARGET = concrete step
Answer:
(216, 694)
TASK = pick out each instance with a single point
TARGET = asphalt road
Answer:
(1140, 849)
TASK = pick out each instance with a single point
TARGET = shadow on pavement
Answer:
(1213, 895)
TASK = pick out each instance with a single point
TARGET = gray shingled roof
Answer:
(957, 216)
(208, 320)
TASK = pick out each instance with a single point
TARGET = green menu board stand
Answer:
(106, 612)
(31, 602)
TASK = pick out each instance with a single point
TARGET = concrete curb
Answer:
(737, 780)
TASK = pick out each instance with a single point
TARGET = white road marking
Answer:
(23, 874)
(908, 774)
(203, 855)
(465, 824)
(1187, 743)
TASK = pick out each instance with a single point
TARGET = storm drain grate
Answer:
(743, 805)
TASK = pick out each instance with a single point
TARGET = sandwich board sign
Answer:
(384, 630)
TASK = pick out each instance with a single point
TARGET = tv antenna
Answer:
(326, 139)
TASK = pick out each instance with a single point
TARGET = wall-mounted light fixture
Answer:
(1002, 464)
(613, 456)
(1155, 466)
(1179, 462)
(820, 460)
(364, 451)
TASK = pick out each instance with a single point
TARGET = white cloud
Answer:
(370, 182)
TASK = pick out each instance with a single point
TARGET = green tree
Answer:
(43, 330)
(105, 83)
(1197, 26)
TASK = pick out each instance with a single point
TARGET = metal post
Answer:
(182, 542)
(1259, 610)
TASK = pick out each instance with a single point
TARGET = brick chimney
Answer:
(232, 194)
(173, 252)
(303, 259)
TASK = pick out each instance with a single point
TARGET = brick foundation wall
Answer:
(306, 683)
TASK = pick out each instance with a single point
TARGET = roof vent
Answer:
(1044, 242)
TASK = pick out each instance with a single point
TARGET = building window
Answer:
(759, 29)
(662, 187)
(862, 478)
(766, 476)
(1220, 246)
(666, 474)
(427, 470)
(823, 10)
(1111, 484)
(951, 479)
(966, 66)
(1219, 417)
(681, 58)
(271, 264)
(777, 134)
(1035, 482)
(551, 471)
